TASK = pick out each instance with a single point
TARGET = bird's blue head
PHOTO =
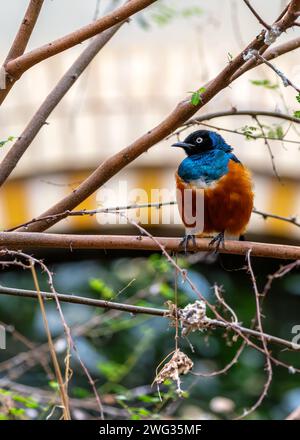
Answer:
(201, 141)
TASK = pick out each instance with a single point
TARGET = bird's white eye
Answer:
(199, 140)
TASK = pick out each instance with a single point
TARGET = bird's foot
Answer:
(140, 235)
(185, 241)
(218, 240)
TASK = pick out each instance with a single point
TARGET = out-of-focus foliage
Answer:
(123, 351)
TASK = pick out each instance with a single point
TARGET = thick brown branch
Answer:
(181, 113)
(15, 68)
(24, 33)
(20, 42)
(18, 240)
(53, 99)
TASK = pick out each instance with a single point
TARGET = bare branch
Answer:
(15, 68)
(39, 119)
(84, 301)
(18, 261)
(265, 215)
(90, 212)
(24, 33)
(269, 54)
(60, 381)
(261, 21)
(117, 209)
(267, 144)
(143, 310)
(236, 112)
(269, 368)
(285, 80)
(27, 240)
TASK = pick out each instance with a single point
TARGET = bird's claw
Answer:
(185, 241)
(218, 240)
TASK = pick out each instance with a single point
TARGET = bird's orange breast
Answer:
(228, 202)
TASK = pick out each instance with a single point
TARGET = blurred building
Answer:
(135, 81)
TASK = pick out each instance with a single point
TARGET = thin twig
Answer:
(266, 215)
(285, 80)
(70, 342)
(267, 144)
(261, 21)
(61, 384)
(141, 310)
(90, 212)
(264, 342)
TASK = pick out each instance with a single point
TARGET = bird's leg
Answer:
(219, 240)
(185, 241)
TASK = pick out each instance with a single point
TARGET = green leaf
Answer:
(29, 402)
(80, 392)
(196, 96)
(297, 114)
(112, 370)
(3, 417)
(191, 11)
(158, 263)
(298, 97)
(279, 132)
(248, 131)
(17, 411)
(5, 392)
(135, 417)
(9, 139)
(165, 14)
(264, 83)
(166, 291)
(149, 399)
(100, 287)
(54, 385)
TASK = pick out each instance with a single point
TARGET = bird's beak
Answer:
(182, 145)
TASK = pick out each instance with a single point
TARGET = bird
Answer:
(214, 190)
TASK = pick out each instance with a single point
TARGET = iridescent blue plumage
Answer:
(209, 164)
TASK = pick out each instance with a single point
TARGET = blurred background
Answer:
(151, 64)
